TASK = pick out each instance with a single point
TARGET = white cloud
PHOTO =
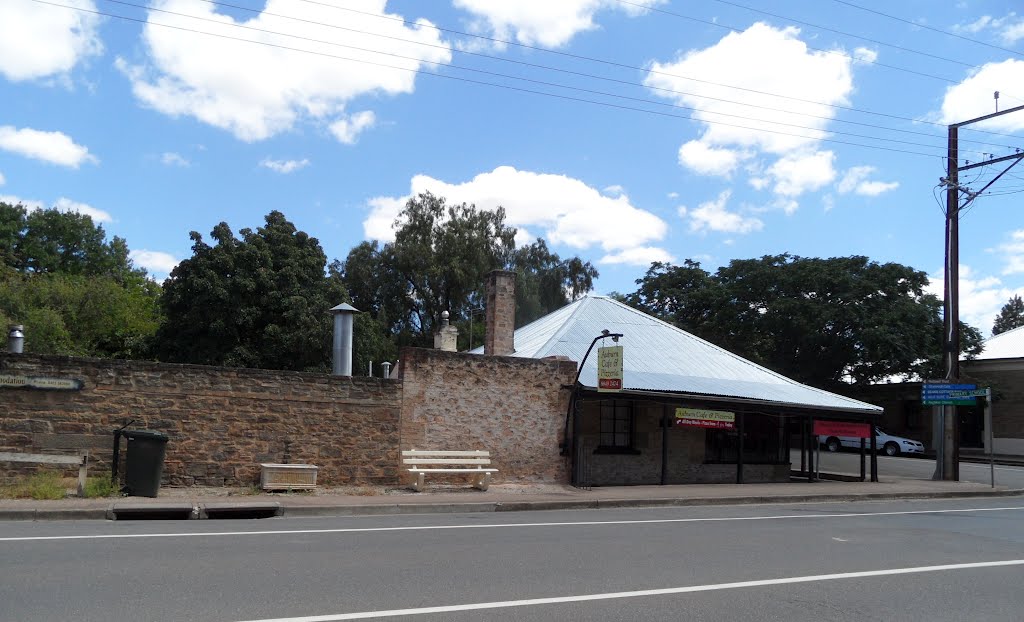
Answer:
(614, 189)
(640, 256)
(39, 40)
(714, 216)
(257, 91)
(865, 55)
(973, 97)
(30, 204)
(708, 160)
(52, 147)
(156, 262)
(673, 195)
(749, 128)
(856, 180)
(284, 166)
(761, 58)
(566, 210)
(541, 22)
(2, 180)
(1013, 252)
(347, 129)
(64, 204)
(801, 172)
(1009, 28)
(981, 297)
(173, 159)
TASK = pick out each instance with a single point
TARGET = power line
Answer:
(612, 63)
(504, 86)
(557, 85)
(828, 29)
(835, 52)
(926, 27)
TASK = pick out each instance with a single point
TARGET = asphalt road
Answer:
(934, 561)
(918, 468)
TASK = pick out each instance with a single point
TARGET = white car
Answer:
(887, 443)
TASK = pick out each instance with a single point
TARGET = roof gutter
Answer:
(877, 411)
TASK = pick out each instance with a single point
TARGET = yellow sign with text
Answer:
(698, 418)
(609, 369)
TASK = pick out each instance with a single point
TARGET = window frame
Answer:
(621, 416)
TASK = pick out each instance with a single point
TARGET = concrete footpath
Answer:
(212, 503)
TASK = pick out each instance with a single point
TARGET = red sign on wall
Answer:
(842, 428)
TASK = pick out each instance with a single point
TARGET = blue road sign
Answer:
(946, 394)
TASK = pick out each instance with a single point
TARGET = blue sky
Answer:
(620, 131)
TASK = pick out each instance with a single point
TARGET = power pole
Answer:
(947, 463)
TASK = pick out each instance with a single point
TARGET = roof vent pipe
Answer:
(342, 349)
(16, 339)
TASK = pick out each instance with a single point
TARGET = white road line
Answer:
(505, 604)
(501, 525)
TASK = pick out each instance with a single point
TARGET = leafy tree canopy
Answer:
(821, 321)
(439, 261)
(1010, 316)
(75, 292)
(54, 242)
(260, 300)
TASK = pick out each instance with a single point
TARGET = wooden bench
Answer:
(81, 460)
(471, 462)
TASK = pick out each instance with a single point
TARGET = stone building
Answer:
(688, 411)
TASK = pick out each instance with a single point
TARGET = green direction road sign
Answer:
(974, 393)
(942, 394)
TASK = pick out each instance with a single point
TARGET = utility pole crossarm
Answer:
(967, 167)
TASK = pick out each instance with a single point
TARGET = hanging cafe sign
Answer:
(609, 368)
(698, 418)
(10, 381)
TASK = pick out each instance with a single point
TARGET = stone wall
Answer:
(513, 407)
(222, 422)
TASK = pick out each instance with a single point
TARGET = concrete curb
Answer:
(123, 511)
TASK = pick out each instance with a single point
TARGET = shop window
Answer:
(764, 442)
(616, 428)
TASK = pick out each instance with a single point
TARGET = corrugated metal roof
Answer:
(660, 357)
(1008, 345)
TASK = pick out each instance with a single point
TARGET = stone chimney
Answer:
(447, 338)
(500, 313)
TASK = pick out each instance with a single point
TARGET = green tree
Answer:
(256, 301)
(546, 282)
(54, 242)
(676, 294)
(76, 315)
(825, 322)
(75, 292)
(1010, 316)
(439, 261)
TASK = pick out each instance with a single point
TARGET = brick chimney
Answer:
(500, 313)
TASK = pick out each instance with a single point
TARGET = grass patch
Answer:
(98, 487)
(42, 485)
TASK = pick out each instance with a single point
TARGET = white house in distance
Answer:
(1001, 367)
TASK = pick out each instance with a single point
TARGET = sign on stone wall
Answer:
(10, 381)
(609, 369)
(699, 418)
